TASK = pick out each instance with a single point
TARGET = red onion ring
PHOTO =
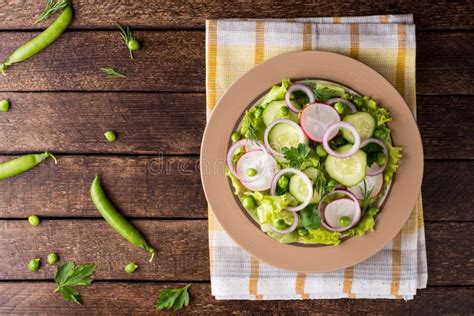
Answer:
(385, 152)
(298, 87)
(289, 229)
(355, 147)
(269, 128)
(345, 101)
(306, 180)
(322, 209)
(233, 149)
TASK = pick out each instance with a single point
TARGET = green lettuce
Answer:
(321, 236)
(284, 239)
(238, 187)
(276, 93)
(395, 154)
(380, 114)
(272, 208)
(253, 126)
(324, 92)
(367, 223)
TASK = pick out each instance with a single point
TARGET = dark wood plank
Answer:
(174, 61)
(140, 187)
(164, 123)
(132, 298)
(170, 187)
(175, 14)
(182, 250)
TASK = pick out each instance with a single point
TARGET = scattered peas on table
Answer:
(34, 220)
(4, 105)
(110, 136)
(52, 258)
(131, 267)
(129, 39)
(34, 264)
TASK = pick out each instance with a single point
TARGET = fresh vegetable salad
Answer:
(312, 161)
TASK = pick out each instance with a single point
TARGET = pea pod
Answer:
(41, 41)
(21, 164)
(116, 220)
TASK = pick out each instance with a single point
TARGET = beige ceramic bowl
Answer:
(243, 93)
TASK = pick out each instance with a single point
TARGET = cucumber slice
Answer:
(272, 112)
(347, 171)
(285, 135)
(363, 122)
(312, 173)
(298, 188)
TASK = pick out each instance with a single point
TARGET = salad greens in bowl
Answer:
(312, 161)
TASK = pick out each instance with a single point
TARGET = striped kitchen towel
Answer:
(387, 44)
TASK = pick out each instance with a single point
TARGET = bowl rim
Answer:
(242, 94)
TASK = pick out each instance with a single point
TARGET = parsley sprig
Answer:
(70, 275)
(296, 155)
(173, 298)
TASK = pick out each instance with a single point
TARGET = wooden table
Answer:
(62, 103)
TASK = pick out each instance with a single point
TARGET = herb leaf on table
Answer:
(173, 298)
(111, 72)
(69, 275)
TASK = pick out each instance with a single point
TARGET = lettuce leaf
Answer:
(238, 187)
(324, 92)
(395, 154)
(272, 208)
(253, 126)
(284, 239)
(367, 223)
(321, 236)
(276, 93)
(380, 114)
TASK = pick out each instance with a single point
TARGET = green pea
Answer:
(257, 113)
(321, 151)
(358, 101)
(110, 136)
(235, 137)
(302, 231)
(372, 211)
(4, 105)
(283, 182)
(284, 111)
(344, 221)
(248, 202)
(133, 45)
(331, 184)
(251, 172)
(380, 133)
(279, 224)
(34, 264)
(340, 107)
(381, 159)
(348, 96)
(131, 267)
(52, 258)
(34, 220)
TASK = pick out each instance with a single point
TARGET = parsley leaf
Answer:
(310, 217)
(69, 275)
(372, 149)
(173, 298)
(296, 155)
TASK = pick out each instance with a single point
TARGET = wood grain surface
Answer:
(174, 61)
(92, 14)
(105, 298)
(182, 250)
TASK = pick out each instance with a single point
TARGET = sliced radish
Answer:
(372, 183)
(337, 204)
(265, 166)
(233, 149)
(316, 118)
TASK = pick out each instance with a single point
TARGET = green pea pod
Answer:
(41, 41)
(21, 164)
(116, 220)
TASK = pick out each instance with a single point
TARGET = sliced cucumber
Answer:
(298, 188)
(285, 135)
(347, 171)
(363, 122)
(312, 173)
(272, 112)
